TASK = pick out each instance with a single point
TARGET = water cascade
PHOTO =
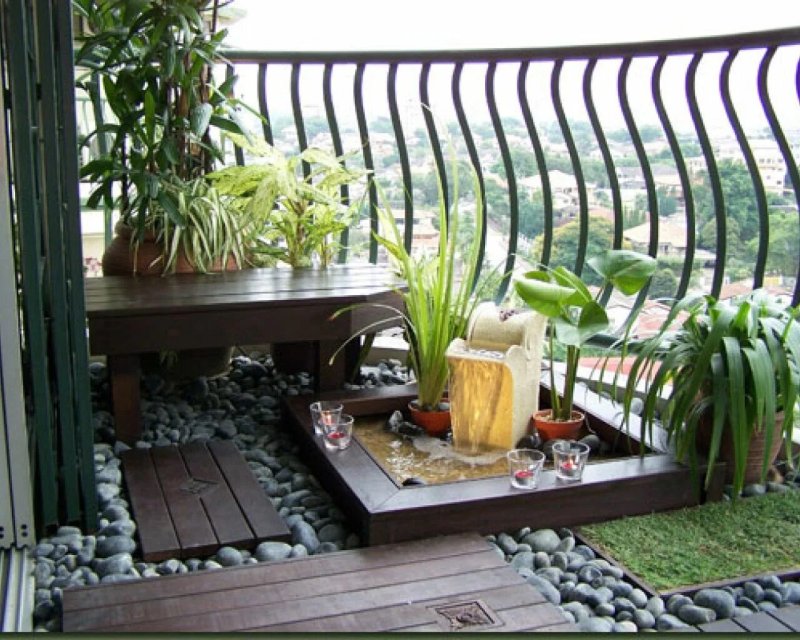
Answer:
(494, 378)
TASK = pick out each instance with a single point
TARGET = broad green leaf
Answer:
(592, 320)
(626, 270)
(200, 118)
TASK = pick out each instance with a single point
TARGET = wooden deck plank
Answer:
(790, 616)
(99, 596)
(373, 589)
(195, 535)
(224, 514)
(405, 617)
(154, 526)
(721, 626)
(762, 622)
(283, 592)
(517, 619)
(257, 616)
(255, 506)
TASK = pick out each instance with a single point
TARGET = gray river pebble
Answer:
(244, 406)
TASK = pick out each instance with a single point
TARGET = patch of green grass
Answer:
(718, 541)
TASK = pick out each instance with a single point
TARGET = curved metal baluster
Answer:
(605, 151)
(472, 150)
(608, 161)
(780, 138)
(683, 174)
(237, 151)
(430, 125)
(641, 154)
(583, 201)
(513, 227)
(752, 167)
(333, 125)
(713, 174)
(402, 151)
(547, 193)
(262, 102)
(297, 112)
(366, 150)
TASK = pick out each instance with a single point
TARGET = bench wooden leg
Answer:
(124, 371)
(333, 376)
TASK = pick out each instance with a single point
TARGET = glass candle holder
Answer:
(524, 467)
(324, 412)
(339, 435)
(569, 458)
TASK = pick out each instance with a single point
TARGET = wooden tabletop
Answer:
(340, 284)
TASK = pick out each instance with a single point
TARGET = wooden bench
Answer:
(455, 583)
(131, 316)
(189, 501)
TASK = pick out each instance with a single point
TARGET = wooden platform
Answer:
(385, 511)
(189, 501)
(130, 316)
(455, 583)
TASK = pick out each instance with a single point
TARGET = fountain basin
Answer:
(383, 511)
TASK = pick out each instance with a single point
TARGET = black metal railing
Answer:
(595, 113)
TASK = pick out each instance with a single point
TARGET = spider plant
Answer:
(732, 364)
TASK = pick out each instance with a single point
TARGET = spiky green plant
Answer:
(735, 361)
(440, 292)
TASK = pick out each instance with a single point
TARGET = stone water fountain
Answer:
(494, 378)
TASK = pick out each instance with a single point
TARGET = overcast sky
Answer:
(340, 25)
(436, 24)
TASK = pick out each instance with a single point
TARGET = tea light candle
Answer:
(569, 458)
(524, 477)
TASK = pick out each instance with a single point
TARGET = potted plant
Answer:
(575, 317)
(153, 60)
(302, 215)
(723, 375)
(440, 297)
(440, 294)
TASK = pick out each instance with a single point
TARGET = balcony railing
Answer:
(684, 149)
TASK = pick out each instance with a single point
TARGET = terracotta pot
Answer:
(550, 429)
(120, 260)
(755, 450)
(435, 423)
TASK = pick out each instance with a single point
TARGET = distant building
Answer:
(672, 239)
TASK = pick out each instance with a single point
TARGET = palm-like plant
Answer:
(148, 64)
(733, 364)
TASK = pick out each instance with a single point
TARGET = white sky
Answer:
(341, 25)
(280, 25)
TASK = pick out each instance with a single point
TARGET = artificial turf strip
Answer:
(718, 541)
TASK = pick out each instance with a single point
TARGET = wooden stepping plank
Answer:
(762, 622)
(191, 500)
(790, 616)
(248, 493)
(424, 585)
(721, 626)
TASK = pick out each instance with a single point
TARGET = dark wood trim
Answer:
(386, 512)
